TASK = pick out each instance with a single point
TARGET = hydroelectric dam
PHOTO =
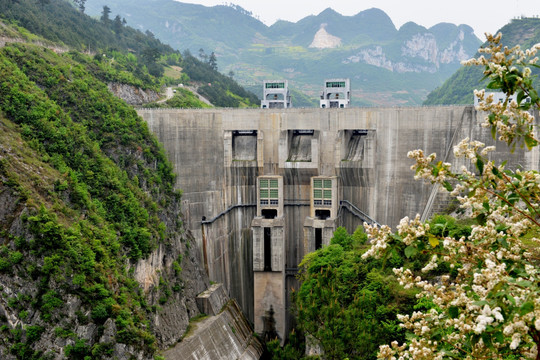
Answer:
(263, 187)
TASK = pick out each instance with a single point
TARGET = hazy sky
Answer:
(482, 16)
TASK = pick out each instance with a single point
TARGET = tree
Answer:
(150, 34)
(117, 24)
(212, 61)
(488, 305)
(348, 306)
(105, 14)
(202, 55)
(80, 4)
(150, 55)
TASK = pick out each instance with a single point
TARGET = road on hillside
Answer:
(168, 94)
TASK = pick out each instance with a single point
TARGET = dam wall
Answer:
(219, 155)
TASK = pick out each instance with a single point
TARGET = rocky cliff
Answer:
(323, 40)
(133, 95)
(420, 52)
(94, 258)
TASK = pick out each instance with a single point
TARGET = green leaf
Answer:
(481, 218)
(511, 299)
(496, 172)
(396, 237)
(487, 340)
(480, 164)
(497, 287)
(520, 96)
(524, 283)
(530, 142)
(410, 251)
(447, 185)
(480, 303)
(433, 241)
(526, 308)
(453, 311)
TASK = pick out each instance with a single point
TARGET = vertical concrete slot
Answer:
(300, 145)
(318, 238)
(244, 145)
(267, 249)
(356, 151)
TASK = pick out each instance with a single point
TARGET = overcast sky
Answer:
(482, 16)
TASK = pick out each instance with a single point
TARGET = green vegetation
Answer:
(89, 188)
(104, 183)
(221, 90)
(347, 305)
(183, 98)
(121, 54)
(357, 301)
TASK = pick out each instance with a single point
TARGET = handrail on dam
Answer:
(343, 204)
(357, 212)
(226, 211)
(232, 207)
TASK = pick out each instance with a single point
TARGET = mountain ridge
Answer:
(254, 51)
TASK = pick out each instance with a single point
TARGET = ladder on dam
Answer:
(432, 196)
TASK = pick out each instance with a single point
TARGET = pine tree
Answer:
(117, 25)
(105, 14)
(212, 61)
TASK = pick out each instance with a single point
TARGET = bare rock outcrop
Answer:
(131, 94)
(324, 40)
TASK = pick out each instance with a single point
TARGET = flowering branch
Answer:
(488, 306)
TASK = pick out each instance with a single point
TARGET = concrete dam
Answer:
(263, 187)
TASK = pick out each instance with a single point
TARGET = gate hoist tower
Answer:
(276, 94)
(336, 93)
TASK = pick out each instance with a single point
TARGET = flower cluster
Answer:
(488, 307)
(509, 70)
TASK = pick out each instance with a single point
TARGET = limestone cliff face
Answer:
(425, 47)
(168, 323)
(323, 40)
(171, 320)
(419, 53)
(131, 94)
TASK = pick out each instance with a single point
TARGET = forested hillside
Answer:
(93, 253)
(458, 89)
(133, 57)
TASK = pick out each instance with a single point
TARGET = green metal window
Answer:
(334, 84)
(322, 192)
(275, 85)
(268, 191)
